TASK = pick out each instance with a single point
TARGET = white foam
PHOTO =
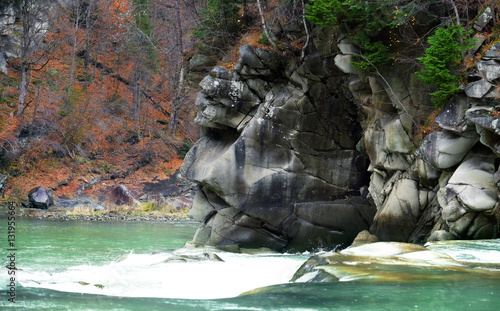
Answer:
(141, 275)
(486, 251)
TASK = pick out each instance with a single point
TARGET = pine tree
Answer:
(441, 58)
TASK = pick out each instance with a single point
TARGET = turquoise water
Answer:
(142, 266)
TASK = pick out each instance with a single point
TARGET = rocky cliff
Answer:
(301, 155)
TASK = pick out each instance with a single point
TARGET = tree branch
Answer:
(303, 53)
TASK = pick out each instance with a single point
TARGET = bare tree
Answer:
(178, 73)
(34, 23)
(75, 43)
(264, 26)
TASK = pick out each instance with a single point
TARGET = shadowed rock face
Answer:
(277, 157)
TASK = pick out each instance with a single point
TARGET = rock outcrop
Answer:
(442, 186)
(391, 262)
(281, 162)
(277, 156)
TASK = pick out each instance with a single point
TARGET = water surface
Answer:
(142, 266)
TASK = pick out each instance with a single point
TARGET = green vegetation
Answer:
(150, 206)
(365, 16)
(441, 58)
(375, 53)
(183, 150)
(145, 27)
(219, 23)
(359, 20)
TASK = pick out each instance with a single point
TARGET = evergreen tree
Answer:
(441, 58)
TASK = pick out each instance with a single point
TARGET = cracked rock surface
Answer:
(277, 157)
(303, 156)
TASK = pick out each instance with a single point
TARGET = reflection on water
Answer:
(474, 295)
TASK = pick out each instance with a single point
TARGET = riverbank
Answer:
(129, 214)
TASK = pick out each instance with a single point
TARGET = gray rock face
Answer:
(445, 149)
(446, 186)
(280, 162)
(483, 19)
(275, 159)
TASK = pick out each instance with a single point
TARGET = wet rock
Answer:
(364, 237)
(441, 235)
(194, 258)
(387, 262)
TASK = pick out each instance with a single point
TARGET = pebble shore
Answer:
(106, 216)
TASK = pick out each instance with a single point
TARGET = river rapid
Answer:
(73, 265)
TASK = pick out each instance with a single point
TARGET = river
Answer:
(72, 265)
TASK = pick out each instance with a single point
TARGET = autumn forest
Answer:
(97, 89)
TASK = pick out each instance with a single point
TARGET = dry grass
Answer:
(145, 209)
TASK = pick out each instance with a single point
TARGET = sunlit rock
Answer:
(343, 62)
(445, 149)
(389, 262)
(473, 184)
(478, 89)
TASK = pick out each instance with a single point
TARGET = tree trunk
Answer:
(177, 102)
(23, 89)
(265, 27)
(88, 20)
(179, 83)
(303, 53)
(75, 41)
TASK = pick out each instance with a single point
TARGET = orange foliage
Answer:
(88, 131)
(431, 126)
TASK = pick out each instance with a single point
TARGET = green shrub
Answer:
(441, 58)
(365, 16)
(150, 206)
(359, 20)
(376, 53)
(219, 23)
(183, 150)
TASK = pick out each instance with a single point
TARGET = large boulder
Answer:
(273, 160)
(40, 197)
(445, 149)
(121, 195)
